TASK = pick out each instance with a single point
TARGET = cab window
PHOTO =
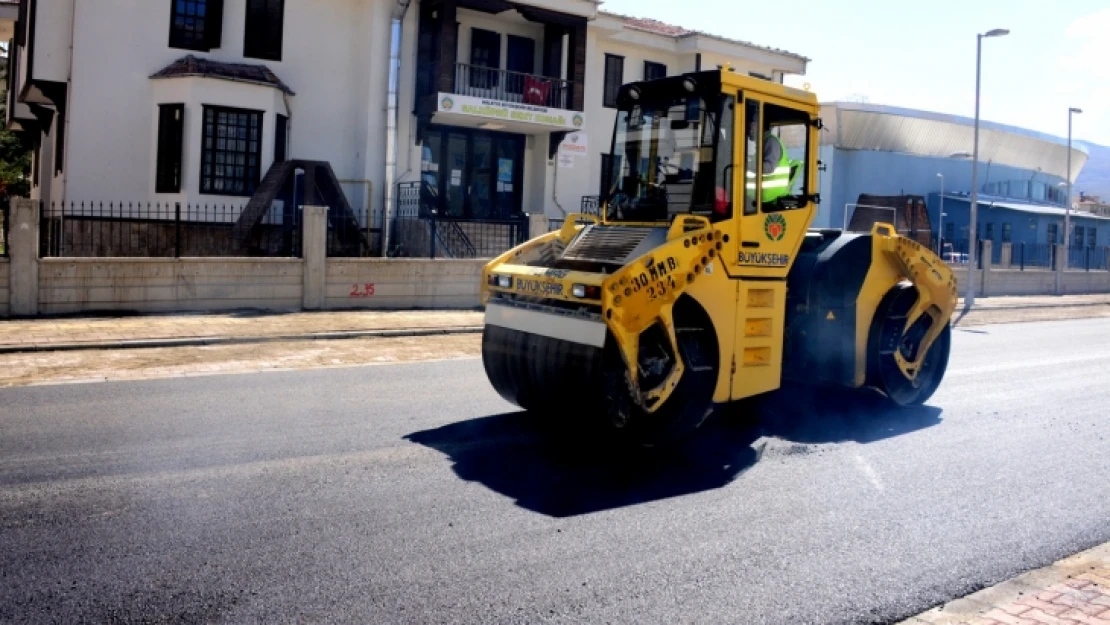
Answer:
(785, 179)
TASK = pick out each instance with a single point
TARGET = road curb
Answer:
(234, 340)
(996, 603)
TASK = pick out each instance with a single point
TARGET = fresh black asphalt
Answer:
(414, 494)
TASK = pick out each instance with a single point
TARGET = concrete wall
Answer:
(374, 283)
(5, 289)
(68, 285)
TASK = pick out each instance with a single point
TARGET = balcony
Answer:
(491, 83)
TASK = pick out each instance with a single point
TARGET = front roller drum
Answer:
(539, 373)
(571, 382)
(888, 335)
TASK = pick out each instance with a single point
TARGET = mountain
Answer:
(1094, 179)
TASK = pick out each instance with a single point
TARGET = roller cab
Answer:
(700, 281)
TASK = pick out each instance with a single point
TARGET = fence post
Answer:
(177, 230)
(315, 257)
(432, 245)
(23, 257)
(1088, 262)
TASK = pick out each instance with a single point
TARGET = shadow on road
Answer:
(546, 470)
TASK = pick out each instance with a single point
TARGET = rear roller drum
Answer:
(888, 335)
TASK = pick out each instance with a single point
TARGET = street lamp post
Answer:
(969, 299)
(1067, 198)
(940, 218)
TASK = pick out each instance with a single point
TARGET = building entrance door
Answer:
(472, 174)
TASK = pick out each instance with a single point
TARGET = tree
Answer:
(15, 158)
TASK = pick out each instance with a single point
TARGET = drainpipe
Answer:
(69, 109)
(392, 144)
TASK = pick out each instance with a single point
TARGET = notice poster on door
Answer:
(456, 177)
(566, 161)
(504, 170)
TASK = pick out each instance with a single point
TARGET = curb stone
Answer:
(234, 340)
(980, 606)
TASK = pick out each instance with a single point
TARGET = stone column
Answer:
(315, 255)
(1007, 259)
(23, 257)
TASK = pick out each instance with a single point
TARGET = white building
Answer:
(140, 100)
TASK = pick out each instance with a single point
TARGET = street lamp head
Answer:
(960, 155)
(997, 32)
(1075, 110)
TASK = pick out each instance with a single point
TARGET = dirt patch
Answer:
(132, 364)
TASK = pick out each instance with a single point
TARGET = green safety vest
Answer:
(776, 183)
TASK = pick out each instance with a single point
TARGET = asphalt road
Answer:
(413, 494)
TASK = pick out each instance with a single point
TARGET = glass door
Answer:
(480, 177)
(455, 182)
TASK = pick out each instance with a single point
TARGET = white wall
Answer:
(327, 61)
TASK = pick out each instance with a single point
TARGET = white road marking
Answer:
(869, 472)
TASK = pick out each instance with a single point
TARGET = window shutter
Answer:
(214, 23)
(264, 29)
(171, 132)
(280, 134)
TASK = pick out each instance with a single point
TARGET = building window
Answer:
(1006, 233)
(1092, 236)
(1052, 229)
(654, 71)
(1078, 236)
(171, 133)
(614, 78)
(264, 29)
(485, 58)
(949, 231)
(521, 60)
(990, 231)
(232, 150)
(196, 24)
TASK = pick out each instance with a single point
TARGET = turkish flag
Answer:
(536, 90)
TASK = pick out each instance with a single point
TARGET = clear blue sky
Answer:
(922, 54)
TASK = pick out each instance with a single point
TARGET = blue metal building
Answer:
(889, 151)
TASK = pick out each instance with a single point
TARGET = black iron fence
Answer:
(1033, 256)
(432, 236)
(153, 230)
(354, 235)
(499, 84)
(1087, 258)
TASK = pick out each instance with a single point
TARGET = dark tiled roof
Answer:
(241, 72)
(670, 30)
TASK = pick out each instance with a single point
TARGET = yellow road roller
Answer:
(700, 282)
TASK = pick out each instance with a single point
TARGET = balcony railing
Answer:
(506, 86)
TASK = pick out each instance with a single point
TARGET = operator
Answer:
(776, 165)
